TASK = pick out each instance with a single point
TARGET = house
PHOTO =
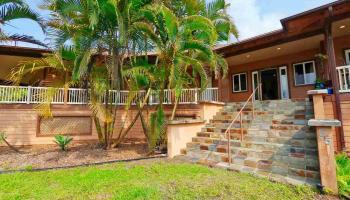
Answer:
(275, 70)
(311, 45)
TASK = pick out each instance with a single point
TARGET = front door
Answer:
(269, 84)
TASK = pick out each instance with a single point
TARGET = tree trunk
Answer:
(98, 129)
(175, 107)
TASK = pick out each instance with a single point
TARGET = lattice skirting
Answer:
(64, 125)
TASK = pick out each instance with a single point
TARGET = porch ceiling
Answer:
(341, 28)
(277, 50)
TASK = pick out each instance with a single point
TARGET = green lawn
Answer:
(144, 180)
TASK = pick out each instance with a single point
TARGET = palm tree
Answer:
(18, 9)
(183, 46)
(93, 28)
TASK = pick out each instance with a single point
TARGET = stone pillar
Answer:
(324, 141)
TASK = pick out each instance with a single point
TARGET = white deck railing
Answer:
(344, 78)
(35, 95)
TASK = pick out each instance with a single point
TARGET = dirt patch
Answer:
(43, 156)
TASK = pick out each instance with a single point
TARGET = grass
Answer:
(145, 180)
(343, 174)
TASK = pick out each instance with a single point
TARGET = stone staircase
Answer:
(276, 144)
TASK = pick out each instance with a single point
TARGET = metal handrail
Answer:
(239, 114)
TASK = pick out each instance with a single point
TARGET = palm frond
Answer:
(171, 23)
(10, 12)
(196, 23)
(198, 68)
(23, 38)
(148, 30)
(197, 46)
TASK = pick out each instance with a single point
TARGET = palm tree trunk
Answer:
(106, 125)
(98, 129)
(175, 107)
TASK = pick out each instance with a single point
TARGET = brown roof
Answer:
(22, 51)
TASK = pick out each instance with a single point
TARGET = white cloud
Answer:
(249, 19)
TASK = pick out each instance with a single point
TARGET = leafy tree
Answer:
(17, 9)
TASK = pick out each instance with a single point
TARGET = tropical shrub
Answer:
(343, 174)
(63, 141)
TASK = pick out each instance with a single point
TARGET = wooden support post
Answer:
(324, 141)
(331, 66)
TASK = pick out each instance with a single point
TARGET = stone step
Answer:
(290, 122)
(226, 123)
(221, 128)
(244, 112)
(303, 176)
(277, 143)
(288, 127)
(307, 143)
(295, 134)
(254, 149)
(257, 164)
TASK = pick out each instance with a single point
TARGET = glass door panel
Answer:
(284, 82)
(255, 84)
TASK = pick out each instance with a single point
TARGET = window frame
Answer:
(303, 63)
(240, 82)
(347, 56)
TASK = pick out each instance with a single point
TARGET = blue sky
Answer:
(252, 17)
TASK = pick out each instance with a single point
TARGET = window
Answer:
(305, 73)
(239, 82)
(347, 56)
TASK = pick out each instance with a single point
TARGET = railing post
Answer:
(241, 126)
(150, 99)
(345, 79)
(196, 95)
(253, 107)
(229, 147)
(29, 94)
(65, 95)
(340, 79)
